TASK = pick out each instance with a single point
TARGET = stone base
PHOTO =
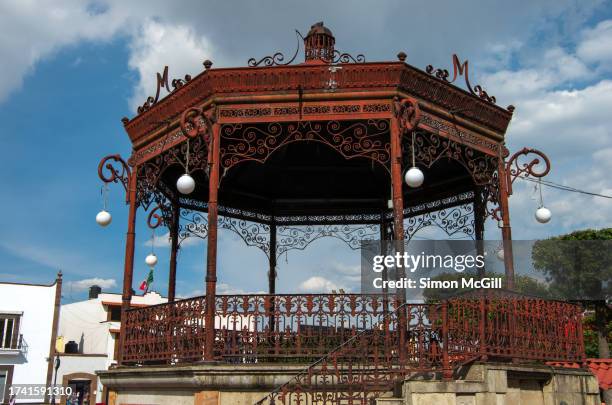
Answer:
(504, 384)
(198, 384)
(245, 384)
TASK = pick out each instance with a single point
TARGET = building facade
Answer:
(88, 341)
(28, 326)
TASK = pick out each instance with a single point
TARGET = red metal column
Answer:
(211, 260)
(174, 226)
(506, 229)
(128, 268)
(479, 217)
(398, 222)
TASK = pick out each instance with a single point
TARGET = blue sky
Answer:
(72, 69)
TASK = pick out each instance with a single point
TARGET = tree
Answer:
(579, 266)
(523, 284)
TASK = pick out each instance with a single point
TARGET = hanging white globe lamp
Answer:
(185, 184)
(151, 260)
(104, 218)
(414, 177)
(543, 215)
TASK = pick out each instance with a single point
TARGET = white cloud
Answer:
(317, 284)
(157, 44)
(164, 240)
(563, 105)
(33, 30)
(222, 289)
(596, 44)
(82, 285)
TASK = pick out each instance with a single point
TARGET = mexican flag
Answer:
(144, 286)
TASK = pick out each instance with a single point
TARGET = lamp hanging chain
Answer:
(152, 241)
(540, 190)
(187, 158)
(413, 152)
(104, 193)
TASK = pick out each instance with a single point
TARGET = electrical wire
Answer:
(564, 188)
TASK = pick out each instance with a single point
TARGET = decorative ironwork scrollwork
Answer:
(178, 83)
(278, 59)
(160, 215)
(192, 224)
(347, 58)
(150, 172)
(461, 69)
(161, 83)
(490, 197)
(453, 221)
(198, 121)
(299, 237)
(115, 175)
(352, 139)
(407, 112)
(514, 168)
(429, 148)
(288, 237)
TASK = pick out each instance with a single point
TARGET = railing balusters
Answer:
(301, 328)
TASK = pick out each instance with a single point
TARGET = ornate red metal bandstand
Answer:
(284, 154)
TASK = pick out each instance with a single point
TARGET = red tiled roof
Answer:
(602, 368)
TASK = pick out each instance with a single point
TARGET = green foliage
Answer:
(523, 284)
(579, 265)
(576, 263)
(591, 345)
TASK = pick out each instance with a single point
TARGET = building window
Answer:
(6, 377)
(116, 347)
(115, 314)
(9, 331)
(3, 380)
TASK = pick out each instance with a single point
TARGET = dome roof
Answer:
(319, 28)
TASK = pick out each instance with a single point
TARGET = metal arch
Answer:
(151, 171)
(453, 221)
(352, 139)
(299, 237)
(430, 148)
(289, 237)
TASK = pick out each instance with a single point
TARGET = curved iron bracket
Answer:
(115, 175)
(514, 168)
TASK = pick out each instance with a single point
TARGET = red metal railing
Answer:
(304, 328)
(365, 367)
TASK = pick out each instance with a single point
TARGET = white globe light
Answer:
(185, 184)
(104, 218)
(543, 215)
(151, 260)
(500, 254)
(414, 177)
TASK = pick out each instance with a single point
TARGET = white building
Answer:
(88, 340)
(28, 321)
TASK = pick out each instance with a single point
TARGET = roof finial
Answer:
(319, 44)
